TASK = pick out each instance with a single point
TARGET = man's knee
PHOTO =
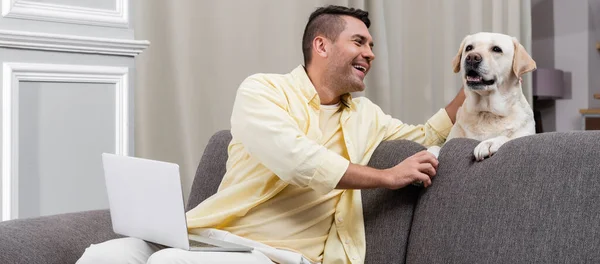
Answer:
(122, 250)
(178, 256)
(169, 255)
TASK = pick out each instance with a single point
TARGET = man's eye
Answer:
(469, 47)
(358, 42)
(496, 49)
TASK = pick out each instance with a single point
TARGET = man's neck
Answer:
(327, 94)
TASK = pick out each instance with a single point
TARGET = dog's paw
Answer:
(488, 147)
(435, 150)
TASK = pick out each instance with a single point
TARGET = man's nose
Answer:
(369, 55)
(473, 59)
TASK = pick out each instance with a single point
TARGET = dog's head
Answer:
(490, 60)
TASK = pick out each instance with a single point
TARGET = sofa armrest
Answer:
(53, 239)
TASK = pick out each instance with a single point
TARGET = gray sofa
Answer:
(536, 201)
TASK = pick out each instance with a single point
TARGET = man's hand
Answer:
(419, 167)
(453, 106)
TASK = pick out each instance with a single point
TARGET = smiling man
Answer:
(298, 156)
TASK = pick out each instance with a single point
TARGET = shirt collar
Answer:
(310, 92)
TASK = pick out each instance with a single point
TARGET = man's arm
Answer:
(419, 167)
(261, 122)
(433, 132)
(453, 106)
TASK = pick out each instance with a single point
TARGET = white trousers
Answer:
(136, 251)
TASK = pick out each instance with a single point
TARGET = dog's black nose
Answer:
(473, 59)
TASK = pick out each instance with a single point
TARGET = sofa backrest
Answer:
(537, 200)
(387, 213)
(211, 169)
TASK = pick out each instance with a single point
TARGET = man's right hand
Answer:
(419, 167)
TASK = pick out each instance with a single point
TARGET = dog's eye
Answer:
(496, 49)
(469, 47)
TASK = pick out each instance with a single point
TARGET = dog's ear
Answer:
(522, 61)
(456, 60)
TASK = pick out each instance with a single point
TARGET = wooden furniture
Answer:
(590, 117)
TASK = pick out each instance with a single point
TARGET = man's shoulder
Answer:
(268, 80)
(269, 76)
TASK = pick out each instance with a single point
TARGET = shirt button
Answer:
(347, 241)
(340, 219)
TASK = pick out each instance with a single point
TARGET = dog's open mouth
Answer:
(474, 79)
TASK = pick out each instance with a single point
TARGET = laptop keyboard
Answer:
(194, 243)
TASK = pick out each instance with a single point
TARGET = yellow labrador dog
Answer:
(495, 109)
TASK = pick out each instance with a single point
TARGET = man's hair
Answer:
(327, 21)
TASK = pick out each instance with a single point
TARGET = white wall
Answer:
(65, 75)
(60, 124)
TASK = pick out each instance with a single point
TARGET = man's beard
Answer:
(342, 77)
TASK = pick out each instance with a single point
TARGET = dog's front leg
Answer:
(455, 132)
(488, 147)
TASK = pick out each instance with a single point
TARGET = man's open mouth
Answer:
(360, 68)
(474, 79)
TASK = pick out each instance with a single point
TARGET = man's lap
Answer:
(133, 250)
(175, 255)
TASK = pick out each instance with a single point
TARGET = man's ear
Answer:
(456, 60)
(321, 46)
(522, 62)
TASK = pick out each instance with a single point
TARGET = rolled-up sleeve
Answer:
(261, 122)
(433, 132)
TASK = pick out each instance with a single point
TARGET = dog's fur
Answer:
(497, 112)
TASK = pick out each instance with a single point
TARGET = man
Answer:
(297, 157)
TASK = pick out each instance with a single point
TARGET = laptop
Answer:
(146, 202)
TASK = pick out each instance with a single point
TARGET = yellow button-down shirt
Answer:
(275, 144)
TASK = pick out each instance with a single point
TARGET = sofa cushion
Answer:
(535, 201)
(53, 239)
(388, 213)
(211, 168)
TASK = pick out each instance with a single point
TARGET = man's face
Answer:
(351, 57)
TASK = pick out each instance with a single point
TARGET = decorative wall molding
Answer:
(71, 43)
(13, 74)
(26, 9)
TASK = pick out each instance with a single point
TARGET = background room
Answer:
(156, 79)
